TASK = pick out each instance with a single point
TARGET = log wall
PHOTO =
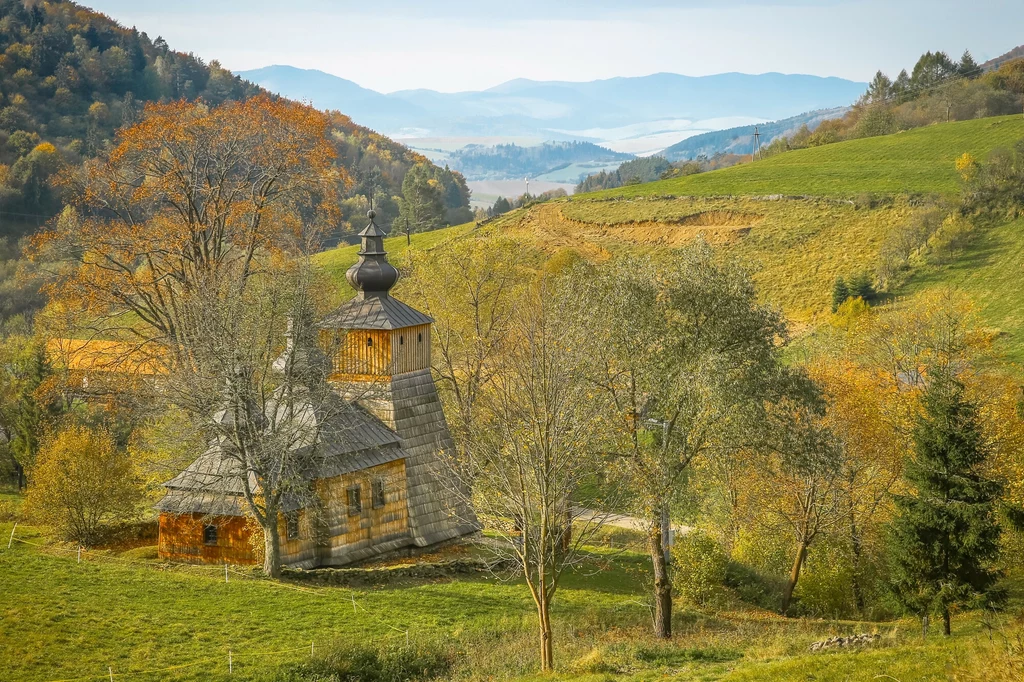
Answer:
(351, 537)
(181, 539)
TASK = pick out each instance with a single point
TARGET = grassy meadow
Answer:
(918, 160)
(64, 620)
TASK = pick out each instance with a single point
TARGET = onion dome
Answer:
(372, 275)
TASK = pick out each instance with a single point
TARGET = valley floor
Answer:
(143, 620)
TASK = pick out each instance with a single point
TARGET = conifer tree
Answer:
(840, 292)
(945, 535)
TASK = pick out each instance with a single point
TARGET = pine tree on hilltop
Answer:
(945, 534)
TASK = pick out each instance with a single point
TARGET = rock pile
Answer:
(844, 642)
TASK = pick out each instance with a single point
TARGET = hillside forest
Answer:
(70, 79)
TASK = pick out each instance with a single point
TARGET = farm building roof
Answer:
(99, 355)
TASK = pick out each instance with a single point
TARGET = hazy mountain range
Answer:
(636, 115)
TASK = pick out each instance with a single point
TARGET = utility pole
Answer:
(757, 144)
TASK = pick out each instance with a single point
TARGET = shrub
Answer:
(700, 567)
(826, 585)
(81, 483)
(387, 663)
(754, 586)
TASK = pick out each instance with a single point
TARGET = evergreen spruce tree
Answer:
(945, 535)
(840, 292)
(861, 285)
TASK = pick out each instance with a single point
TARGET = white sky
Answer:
(457, 45)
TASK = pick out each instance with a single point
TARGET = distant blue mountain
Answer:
(560, 110)
(740, 140)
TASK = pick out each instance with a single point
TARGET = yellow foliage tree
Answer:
(82, 482)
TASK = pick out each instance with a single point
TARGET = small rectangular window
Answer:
(291, 522)
(210, 535)
(378, 494)
(355, 502)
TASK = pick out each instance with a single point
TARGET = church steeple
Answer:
(372, 275)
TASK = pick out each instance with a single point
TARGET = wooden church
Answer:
(376, 481)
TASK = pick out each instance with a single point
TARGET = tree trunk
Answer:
(20, 473)
(946, 630)
(794, 576)
(547, 652)
(662, 584)
(272, 549)
(855, 543)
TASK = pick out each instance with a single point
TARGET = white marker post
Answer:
(225, 572)
(79, 554)
(231, 665)
(110, 670)
(11, 539)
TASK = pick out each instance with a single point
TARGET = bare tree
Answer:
(536, 444)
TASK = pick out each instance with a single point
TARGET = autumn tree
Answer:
(422, 206)
(797, 487)
(81, 482)
(687, 360)
(535, 445)
(191, 251)
(470, 287)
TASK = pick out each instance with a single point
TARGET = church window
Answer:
(355, 502)
(401, 340)
(369, 342)
(421, 337)
(210, 535)
(378, 493)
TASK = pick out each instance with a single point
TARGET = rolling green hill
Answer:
(795, 246)
(919, 160)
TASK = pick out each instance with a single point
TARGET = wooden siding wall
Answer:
(389, 352)
(410, 349)
(181, 539)
(303, 549)
(355, 536)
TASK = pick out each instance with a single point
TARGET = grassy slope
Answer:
(796, 247)
(60, 620)
(919, 160)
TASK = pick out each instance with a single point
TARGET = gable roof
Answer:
(351, 439)
(374, 312)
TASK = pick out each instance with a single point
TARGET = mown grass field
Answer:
(918, 160)
(61, 620)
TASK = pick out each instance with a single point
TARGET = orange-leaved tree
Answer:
(188, 246)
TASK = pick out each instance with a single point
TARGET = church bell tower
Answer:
(380, 350)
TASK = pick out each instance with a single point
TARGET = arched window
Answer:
(369, 342)
(421, 337)
(401, 340)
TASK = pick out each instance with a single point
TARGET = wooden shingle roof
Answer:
(378, 311)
